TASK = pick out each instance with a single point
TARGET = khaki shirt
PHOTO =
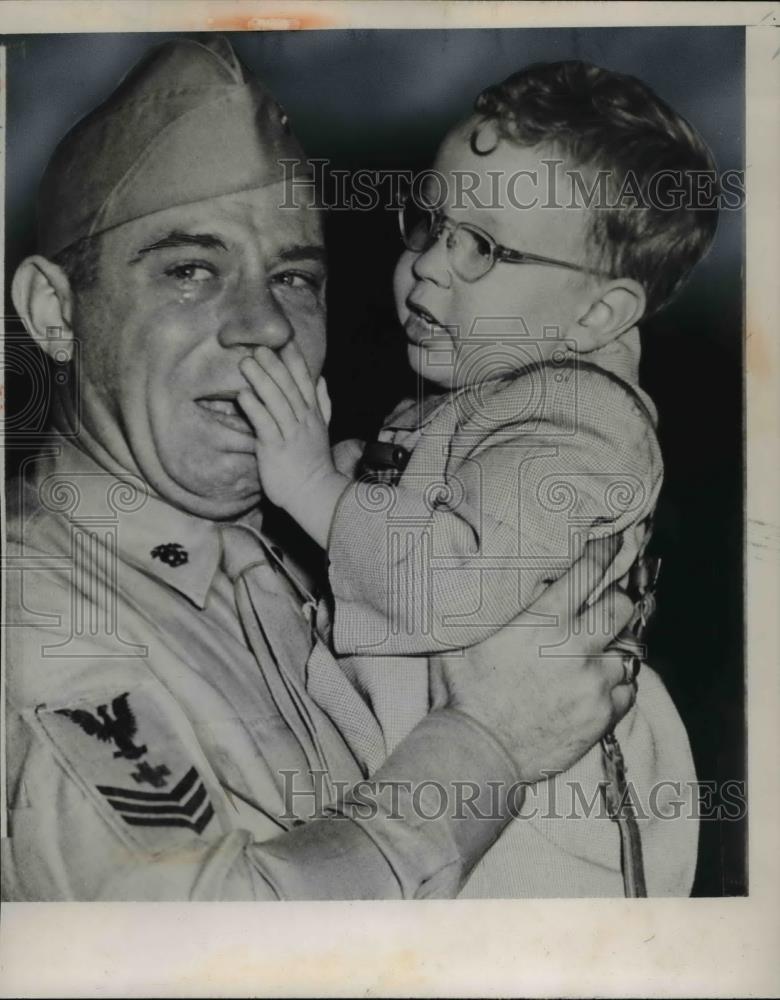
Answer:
(147, 759)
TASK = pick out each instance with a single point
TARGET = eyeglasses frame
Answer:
(499, 253)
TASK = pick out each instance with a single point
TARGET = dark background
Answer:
(384, 99)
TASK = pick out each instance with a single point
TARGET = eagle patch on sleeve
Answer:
(140, 765)
(120, 729)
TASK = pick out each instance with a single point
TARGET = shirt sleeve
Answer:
(441, 562)
(396, 837)
(413, 831)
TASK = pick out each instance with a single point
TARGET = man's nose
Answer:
(254, 317)
(433, 264)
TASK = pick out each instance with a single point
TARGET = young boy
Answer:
(537, 244)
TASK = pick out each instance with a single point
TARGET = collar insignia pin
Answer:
(172, 554)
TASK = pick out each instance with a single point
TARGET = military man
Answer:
(177, 727)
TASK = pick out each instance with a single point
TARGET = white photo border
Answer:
(660, 947)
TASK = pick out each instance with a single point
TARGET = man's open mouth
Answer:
(224, 408)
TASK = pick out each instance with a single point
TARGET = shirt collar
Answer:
(180, 549)
(620, 356)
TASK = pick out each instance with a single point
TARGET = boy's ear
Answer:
(619, 306)
(43, 298)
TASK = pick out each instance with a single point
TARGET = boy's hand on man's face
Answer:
(290, 416)
(292, 432)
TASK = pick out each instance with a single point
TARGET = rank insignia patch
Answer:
(185, 805)
(136, 757)
(120, 730)
(149, 774)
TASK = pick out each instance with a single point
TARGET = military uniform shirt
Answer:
(146, 756)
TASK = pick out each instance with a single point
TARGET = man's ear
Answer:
(43, 298)
(619, 306)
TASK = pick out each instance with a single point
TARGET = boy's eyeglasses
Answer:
(472, 252)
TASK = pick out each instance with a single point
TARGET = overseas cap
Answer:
(187, 123)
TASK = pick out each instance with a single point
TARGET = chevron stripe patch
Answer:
(186, 805)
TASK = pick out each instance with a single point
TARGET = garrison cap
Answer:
(187, 123)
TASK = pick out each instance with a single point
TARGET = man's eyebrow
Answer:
(176, 238)
(303, 251)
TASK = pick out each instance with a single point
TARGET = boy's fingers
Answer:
(296, 365)
(277, 370)
(258, 416)
(323, 400)
(275, 401)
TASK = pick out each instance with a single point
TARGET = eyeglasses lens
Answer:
(416, 227)
(470, 254)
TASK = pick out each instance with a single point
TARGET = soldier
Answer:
(177, 728)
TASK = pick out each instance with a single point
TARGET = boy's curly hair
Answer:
(610, 122)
